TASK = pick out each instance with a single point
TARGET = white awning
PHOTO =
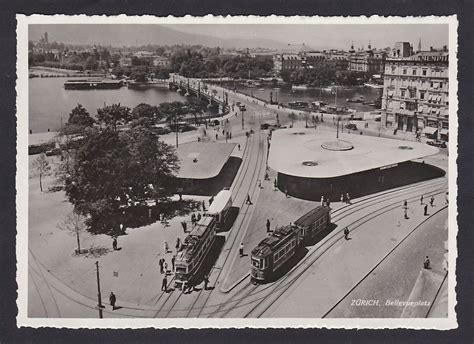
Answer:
(444, 131)
(430, 130)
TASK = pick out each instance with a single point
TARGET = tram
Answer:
(194, 250)
(273, 251)
(219, 209)
(313, 222)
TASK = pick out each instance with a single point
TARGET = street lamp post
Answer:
(99, 295)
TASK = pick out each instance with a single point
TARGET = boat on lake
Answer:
(92, 84)
(368, 84)
(298, 105)
(299, 87)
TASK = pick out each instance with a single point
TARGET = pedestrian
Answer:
(230, 136)
(268, 225)
(447, 197)
(241, 250)
(405, 204)
(178, 244)
(328, 202)
(114, 243)
(426, 263)
(421, 200)
(275, 184)
(342, 198)
(203, 205)
(112, 300)
(165, 267)
(217, 136)
(405, 209)
(286, 192)
(322, 200)
(248, 201)
(160, 262)
(193, 218)
(426, 210)
(165, 246)
(164, 284)
(238, 146)
(206, 281)
(198, 218)
(346, 233)
(259, 183)
(348, 198)
(173, 259)
(432, 201)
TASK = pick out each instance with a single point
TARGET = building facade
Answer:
(415, 94)
(367, 61)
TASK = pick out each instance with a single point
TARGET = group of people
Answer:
(346, 198)
(325, 202)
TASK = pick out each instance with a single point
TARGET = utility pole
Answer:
(99, 296)
(242, 115)
(337, 133)
(176, 125)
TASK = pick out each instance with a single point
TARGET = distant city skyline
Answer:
(273, 36)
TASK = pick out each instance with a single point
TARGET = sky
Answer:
(275, 36)
(330, 36)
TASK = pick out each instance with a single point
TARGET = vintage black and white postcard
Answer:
(236, 171)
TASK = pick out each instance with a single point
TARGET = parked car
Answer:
(161, 130)
(351, 126)
(186, 127)
(52, 152)
(436, 143)
(242, 108)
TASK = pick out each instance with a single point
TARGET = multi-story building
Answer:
(415, 94)
(286, 62)
(161, 61)
(368, 61)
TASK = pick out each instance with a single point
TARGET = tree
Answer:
(42, 167)
(79, 119)
(113, 115)
(75, 224)
(173, 112)
(147, 112)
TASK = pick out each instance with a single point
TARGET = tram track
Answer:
(235, 191)
(281, 285)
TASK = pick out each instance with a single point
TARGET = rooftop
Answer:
(300, 152)
(203, 160)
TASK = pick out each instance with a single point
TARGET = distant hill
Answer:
(138, 34)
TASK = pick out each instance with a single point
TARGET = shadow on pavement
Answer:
(229, 221)
(287, 266)
(209, 261)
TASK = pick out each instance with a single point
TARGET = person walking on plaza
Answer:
(342, 198)
(275, 184)
(348, 198)
(184, 225)
(193, 219)
(328, 202)
(286, 192)
(178, 244)
(405, 204)
(241, 250)
(203, 205)
(426, 263)
(164, 284)
(112, 300)
(206, 281)
(160, 263)
(165, 267)
(198, 218)
(172, 262)
(425, 208)
(447, 197)
(114, 243)
(165, 246)
(268, 225)
(432, 201)
(421, 200)
(346, 233)
(248, 201)
(322, 201)
(238, 146)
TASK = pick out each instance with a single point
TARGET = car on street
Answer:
(242, 108)
(436, 143)
(351, 126)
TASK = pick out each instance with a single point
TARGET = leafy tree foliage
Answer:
(79, 119)
(113, 115)
(114, 171)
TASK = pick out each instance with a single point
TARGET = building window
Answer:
(424, 72)
(412, 93)
(404, 71)
(393, 69)
(413, 72)
(440, 85)
(403, 94)
(422, 95)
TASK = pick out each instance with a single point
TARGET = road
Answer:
(320, 279)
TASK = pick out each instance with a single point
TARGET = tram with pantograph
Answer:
(275, 250)
(194, 250)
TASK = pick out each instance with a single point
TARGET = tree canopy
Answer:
(79, 119)
(113, 115)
